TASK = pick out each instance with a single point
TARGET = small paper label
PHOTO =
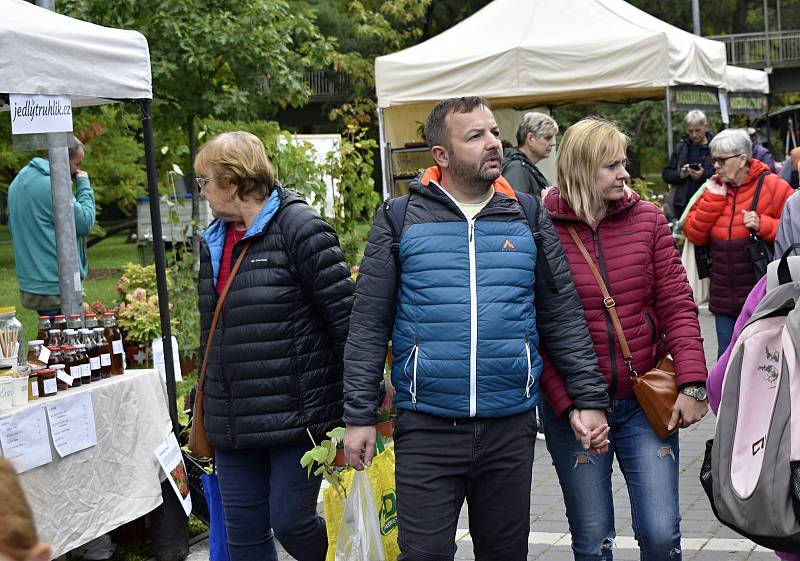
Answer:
(76, 372)
(105, 359)
(35, 389)
(64, 377)
(116, 346)
(44, 355)
(87, 371)
(50, 386)
(94, 363)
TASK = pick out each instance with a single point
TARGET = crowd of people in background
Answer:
(500, 292)
(518, 315)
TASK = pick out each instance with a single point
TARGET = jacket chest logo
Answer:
(508, 246)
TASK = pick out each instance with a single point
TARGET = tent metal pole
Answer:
(669, 122)
(69, 278)
(160, 260)
(385, 165)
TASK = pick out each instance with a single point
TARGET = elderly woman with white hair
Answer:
(536, 138)
(723, 217)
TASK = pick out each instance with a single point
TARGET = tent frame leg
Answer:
(160, 260)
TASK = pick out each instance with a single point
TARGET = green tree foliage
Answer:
(114, 157)
(218, 58)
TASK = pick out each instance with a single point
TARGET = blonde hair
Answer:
(17, 530)
(585, 147)
(240, 157)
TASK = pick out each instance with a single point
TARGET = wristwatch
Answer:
(697, 392)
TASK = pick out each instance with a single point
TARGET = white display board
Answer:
(323, 145)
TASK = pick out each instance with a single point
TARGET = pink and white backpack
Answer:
(751, 471)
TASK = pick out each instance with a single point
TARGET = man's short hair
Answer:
(695, 117)
(76, 145)
(537, 124)
(731, 141)
(436, 124)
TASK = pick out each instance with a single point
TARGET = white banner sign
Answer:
(40, 113)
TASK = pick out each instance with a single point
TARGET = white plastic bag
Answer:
(359, 536)
(699, 286)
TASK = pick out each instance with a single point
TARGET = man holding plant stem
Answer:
(466, 313)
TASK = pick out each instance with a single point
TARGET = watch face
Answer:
(700, 394)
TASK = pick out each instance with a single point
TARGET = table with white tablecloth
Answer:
(90, 492)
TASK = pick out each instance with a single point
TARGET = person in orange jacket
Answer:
(723, 218)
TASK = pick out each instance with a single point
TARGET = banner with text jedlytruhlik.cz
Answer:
(40, 113)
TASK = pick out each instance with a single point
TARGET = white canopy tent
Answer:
(45, 53)
(42, 52)
(537, 53)
(738, 79)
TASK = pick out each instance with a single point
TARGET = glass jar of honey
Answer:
(37, 356)
(33, 385)
(104, 348)
(114, 337)
(74, 321)
(73, 367)
(83, 362)
(60, 322)
(63, 379)
(44, 327)
(47, 382)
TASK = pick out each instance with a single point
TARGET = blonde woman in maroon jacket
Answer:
(631, 245)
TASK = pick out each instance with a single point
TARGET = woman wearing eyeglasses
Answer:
(273, 373)
(723, 219)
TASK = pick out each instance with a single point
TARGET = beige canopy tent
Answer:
(520, 54)
(739, 79)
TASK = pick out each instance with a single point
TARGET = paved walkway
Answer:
(704, 537)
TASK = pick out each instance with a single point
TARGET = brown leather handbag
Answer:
(198, 444)
(655, 390)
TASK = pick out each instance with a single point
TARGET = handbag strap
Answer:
(201, 381)
(755, 198)
(608, 301)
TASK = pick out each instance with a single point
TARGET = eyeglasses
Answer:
(721, 161)
(202, 181)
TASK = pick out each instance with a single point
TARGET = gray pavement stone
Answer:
(699, 526)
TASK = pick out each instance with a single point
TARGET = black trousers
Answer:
(441, 462)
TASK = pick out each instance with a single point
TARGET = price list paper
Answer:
(72, 423)
(23, 437)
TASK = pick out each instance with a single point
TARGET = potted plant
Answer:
(322, 459)
(139, 316)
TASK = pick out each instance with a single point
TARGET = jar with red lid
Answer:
(73, 366)
(56, 356)
(44, 327)
(60, 322)
(47, 382)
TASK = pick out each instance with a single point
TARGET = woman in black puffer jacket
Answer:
(275, 366)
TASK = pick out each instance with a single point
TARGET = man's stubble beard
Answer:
(470, 181)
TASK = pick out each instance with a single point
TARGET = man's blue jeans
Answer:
(650, 467)
(265, 490)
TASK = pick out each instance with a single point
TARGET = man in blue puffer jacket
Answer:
(467, 312)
